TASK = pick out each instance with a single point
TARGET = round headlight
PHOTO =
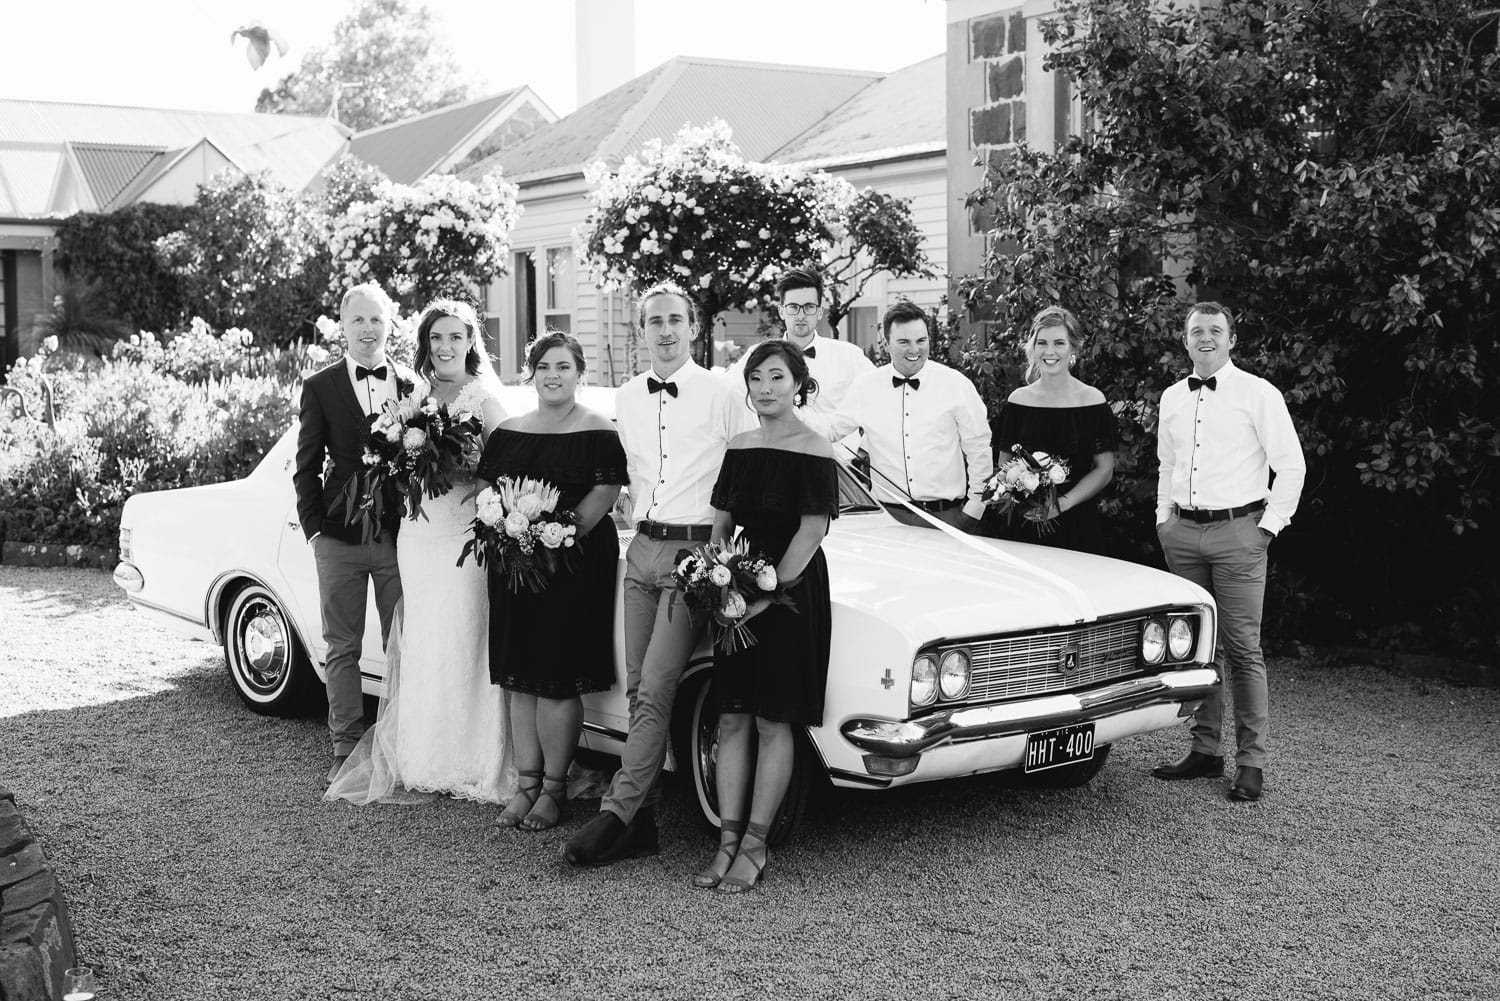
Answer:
(1180, 639)
(924, 681)
(953, 674)
(1154, 642)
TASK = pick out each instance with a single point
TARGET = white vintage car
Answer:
(950, 657)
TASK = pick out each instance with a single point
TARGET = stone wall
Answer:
(36, 937)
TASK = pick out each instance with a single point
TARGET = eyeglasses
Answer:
(792, 309)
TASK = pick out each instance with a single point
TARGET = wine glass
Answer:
(78, 983)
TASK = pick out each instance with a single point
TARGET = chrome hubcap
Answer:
(263, 638)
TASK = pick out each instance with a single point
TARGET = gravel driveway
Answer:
(199, 860)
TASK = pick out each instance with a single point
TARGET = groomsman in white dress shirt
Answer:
(1222, 433)
(834, 364)
(675, 422)
(925, 427)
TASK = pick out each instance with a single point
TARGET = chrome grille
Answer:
(1015, 666)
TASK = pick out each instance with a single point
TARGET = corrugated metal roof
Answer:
(406, 150)
(904, 110)
(569, 143)
(765, 105)
(294, 148)
(108, 168)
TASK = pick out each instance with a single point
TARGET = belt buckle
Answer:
(658, 531)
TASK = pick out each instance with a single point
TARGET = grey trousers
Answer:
(344, 572)
(1228, 559)
(657, 648)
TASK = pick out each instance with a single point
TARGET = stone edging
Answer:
(52, 554)
(36, 935)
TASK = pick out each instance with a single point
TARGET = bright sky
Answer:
(177, 53)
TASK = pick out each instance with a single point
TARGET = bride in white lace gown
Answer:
(441, 725)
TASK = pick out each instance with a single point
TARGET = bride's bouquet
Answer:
(1028, 480)
(520, 532)
(722, 580)
(414, 449)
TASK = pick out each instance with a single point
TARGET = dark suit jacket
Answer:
(331, 423)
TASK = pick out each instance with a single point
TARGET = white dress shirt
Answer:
(373, 393)
(1217, 448)
(835, 365)
(674, 445)
(933, 441)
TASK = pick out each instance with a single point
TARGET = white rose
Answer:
(1030, 480)
(720, 575)
(1057, 473)
(766, 579)
(734, 605)
(414, 439)
(552, 534)
(430, 405)
(516, 524)
(393, 433)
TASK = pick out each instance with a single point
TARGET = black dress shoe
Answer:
(1196, 765)
(607, 839)
(1246, 785)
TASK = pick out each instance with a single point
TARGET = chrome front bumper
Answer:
(909, 738)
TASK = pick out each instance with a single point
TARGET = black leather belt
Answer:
(1201, 515)
(938, 506)
(678, 533)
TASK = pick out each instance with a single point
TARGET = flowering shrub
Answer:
(441, 237)
(400, 346)
(254, 253)
(694, 211)
(131, 427)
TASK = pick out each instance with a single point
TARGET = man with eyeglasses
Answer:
(834, 364)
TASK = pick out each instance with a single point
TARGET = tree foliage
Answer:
(696, 212)
(1330, 171)
(386, 62)
(116, 251)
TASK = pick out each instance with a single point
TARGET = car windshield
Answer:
(853, 497)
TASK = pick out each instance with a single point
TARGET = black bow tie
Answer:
(913, 382)
(379, 372)
(656, 386)
(811, 351)
(1195, 383)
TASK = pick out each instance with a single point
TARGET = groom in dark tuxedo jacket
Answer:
(338, 405)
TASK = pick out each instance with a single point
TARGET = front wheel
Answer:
(696, 746)
(270, 670)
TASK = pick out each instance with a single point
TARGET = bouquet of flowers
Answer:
(519, 530)
(414, 449)
(1026, 477)
(722, 580)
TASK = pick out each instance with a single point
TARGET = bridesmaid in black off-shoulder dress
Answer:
(779, 487)
(1058, 414)
(548, 648)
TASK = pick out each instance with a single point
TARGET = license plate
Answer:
(1054, 748)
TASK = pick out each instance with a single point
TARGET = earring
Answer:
(1072, 362)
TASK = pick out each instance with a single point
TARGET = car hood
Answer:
(932, 586)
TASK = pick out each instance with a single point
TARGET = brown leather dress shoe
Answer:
(1246, 785)
(1196, 765)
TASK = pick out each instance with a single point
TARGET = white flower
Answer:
(725, 555)
(552, 534)
(527, 506)
(370, 458)
(734, 605)
(414, 439)
(766, 579)
(316, 354)
(1057, 473)
(687, 254)
(516, 524)
(430, 405)
(50, 342)
(461, 416)
(489, 508)
(764, 234)
(393, 433)
(1030, 480)
(686, 566)
(720, 575)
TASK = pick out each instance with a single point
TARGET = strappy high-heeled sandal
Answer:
(555, 794)
(527, 789)
(756, 856)
(730, 833)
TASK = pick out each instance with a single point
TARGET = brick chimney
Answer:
(605, 36)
